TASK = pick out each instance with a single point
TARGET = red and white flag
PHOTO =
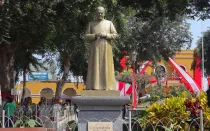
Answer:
(143, 67)
(190, 84)
(124, 88)
(198, 74)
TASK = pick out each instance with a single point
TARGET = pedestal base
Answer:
(100, 93)
(100, 109)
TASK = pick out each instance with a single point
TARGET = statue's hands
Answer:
(98, 35)
(101, 35)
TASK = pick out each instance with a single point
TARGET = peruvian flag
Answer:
(124, 88)
(127, 89)
(198, 73)
(191, 85)
(143, 67)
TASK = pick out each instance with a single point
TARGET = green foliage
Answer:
(159, 93)
(26, 118)
(29, 23)
(27, 123)
(72, 126)
(171, 112)
(126, 77)
(158, 39)
(26, 26)
(175, 113)
(169, 8)
(202, 98)
(176, 91)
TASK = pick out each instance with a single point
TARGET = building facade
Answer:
(183, 58)
(47, 89)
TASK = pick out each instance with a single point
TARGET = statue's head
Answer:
(100, 13)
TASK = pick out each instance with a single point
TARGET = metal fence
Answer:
(48, 116)
(65, 119)
(131, 123)
(161, 125)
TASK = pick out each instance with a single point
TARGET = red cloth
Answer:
(124, 88)
(123, 63)
(153, 79)
(129, 91)
(5, 94)
(197, 70)
(209, 80)
(56, 101)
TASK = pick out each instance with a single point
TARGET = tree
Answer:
(68, 36)
(169, 8)
(25, 26)
(153, 42)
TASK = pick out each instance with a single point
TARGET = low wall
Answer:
(27, 129)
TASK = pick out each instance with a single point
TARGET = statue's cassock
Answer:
(101, 74)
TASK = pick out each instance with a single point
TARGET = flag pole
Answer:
(203, 76)
(202, 44)
(133, 75)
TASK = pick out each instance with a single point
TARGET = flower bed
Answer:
(177, 113)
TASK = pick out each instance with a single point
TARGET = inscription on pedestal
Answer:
(100, 126)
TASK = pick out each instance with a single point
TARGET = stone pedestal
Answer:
(100, 93)
(100, 109)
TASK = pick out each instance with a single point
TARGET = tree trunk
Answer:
(6, 67)
(84, 76)
(24, 83)
(60, 83)
(24, 76)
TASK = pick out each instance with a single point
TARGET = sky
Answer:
(196, 29)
